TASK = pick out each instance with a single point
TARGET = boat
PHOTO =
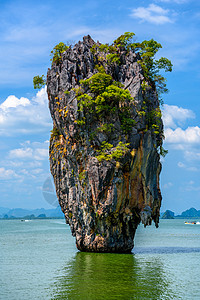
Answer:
(192, 223)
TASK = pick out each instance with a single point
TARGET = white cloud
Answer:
(174, 115)
(24, 116)
(41, 97)
(27, 162)
(178, 136)
(30, 151)
(167, 185)
(13, 101)
(193, 169)
(192, 155)
(183, 166)
(186, 140)
(41, 154)
(190, 188)
(7, 174)
(21, 153)
(153, 14)
(37, 171)
(21, 164)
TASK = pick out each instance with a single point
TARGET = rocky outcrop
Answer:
(168, 214)
(104, 192)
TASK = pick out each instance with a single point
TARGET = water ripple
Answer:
(164, 250)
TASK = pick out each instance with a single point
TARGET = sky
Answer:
(28, 32)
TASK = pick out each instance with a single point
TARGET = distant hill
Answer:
(3, 211)
(168, 215)
(22, 213)
(189, 213)
(43, 213)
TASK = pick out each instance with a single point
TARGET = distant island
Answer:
(189, 213)
(39, 213)
(56, 213)
(168, 215)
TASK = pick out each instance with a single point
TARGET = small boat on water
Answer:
(192, 223)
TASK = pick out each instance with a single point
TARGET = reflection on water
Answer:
(112, 276)
(38, 260)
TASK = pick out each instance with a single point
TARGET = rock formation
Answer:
(104, 157)
(168, 214)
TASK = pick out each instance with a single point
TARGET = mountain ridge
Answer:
(20, 212)
(188, 213)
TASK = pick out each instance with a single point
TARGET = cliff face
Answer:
(107, 181)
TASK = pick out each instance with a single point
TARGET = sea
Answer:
(39, 260)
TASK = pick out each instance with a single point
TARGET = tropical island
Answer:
(39, 213)
(107, 138)
(189, 213)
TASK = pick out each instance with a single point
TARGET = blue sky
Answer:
(28, 32)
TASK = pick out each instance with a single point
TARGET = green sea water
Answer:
(39, 260)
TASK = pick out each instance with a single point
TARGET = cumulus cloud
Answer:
(24, 116)
(30, 151)
(153, 14)
(185, 140)
(174, 116)
(7, 174)
(27, 162)
(21, 153)
(189, 136)
(13, 101)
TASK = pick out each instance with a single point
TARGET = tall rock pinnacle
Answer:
(104, 147)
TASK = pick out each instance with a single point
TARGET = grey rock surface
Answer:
(104, 202)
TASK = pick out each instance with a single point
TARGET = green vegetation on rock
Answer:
(57, 51)
(39, 81)
(105, 96)
(55, 132)
(105, 163)
(151, 66)
(100, 96)
(147, 50)
(109, 152)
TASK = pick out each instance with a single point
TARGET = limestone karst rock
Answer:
(105, 167)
